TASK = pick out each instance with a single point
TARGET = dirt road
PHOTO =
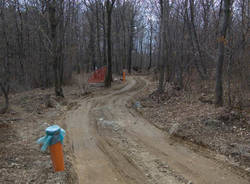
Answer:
(114, 145)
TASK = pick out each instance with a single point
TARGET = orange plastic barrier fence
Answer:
(56, 153)
(98, 75)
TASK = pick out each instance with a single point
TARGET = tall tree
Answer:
(221, 50)
(150, 43)
(131, 42)
(109, 8)
(164, 11)
(5, 65)
(55, 19)
(196, 43)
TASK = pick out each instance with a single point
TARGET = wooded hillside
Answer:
(186, 42)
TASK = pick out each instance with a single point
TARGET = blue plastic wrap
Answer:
(54, 134)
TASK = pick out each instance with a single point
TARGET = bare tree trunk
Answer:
(104, 40)
(131, 41)
(150, 46)
(222, 42)
(191, 29)
(163, 47)
(124, 42)
(5, 78)
(109, 8)
(20, 42)
(5, 91)
(98, 49)
(130, 51)
(141, 52)
(196, 41)
(56, 51)
(92, 44)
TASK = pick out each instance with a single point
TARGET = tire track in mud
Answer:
(113, 145)
(94, 160)
(123, 144)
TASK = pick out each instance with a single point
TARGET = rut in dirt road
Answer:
(113, 144)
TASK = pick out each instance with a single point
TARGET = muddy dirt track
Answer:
(113, 144)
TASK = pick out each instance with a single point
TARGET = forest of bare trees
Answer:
(185, 42)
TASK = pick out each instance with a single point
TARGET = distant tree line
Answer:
(42, 42)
